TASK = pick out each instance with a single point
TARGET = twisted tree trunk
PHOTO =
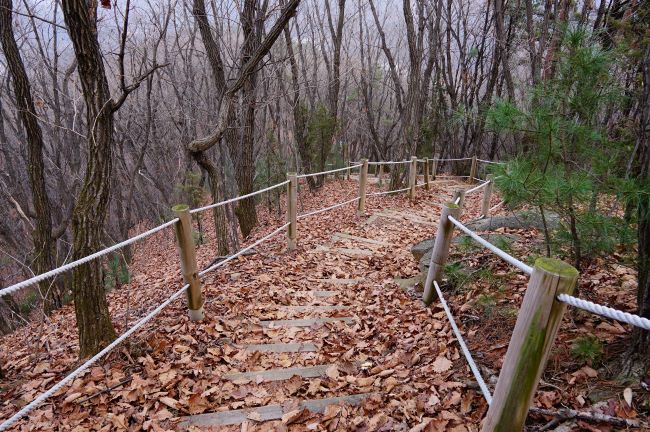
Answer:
(93, 319)
(42, 237)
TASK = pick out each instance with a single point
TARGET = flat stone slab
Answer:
(318, 293)
(307, 322)
(280, 347)
(315, 308)
(360, 239)
(340, 281)
(265, 413)
(354, 252)
(402, 217)
(280, 374)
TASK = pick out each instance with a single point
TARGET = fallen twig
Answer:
(106, 390)
(567, 413)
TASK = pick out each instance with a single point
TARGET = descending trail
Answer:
(325, 327)
(328, 325)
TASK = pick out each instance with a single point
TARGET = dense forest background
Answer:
(111, 113)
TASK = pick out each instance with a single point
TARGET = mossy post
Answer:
(487, 194)
(189, 268)
(473, 171)
(532, 339)
(363, 179)
(413, 175)
(459, 193)
(440, 251)
(292, 209)
(434, 166)
(426, 173)
(381, 174)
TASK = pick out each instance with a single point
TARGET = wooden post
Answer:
(363, 178)
(426, 173)
(292, 208)
(348, 171)
(537, 323)
(487, 194)
(381, 174)
(413, 172)
(434, 166)
(472, 171)
(440, 251)
(189, 268)
(459, 193)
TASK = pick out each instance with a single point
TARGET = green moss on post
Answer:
(532, 339)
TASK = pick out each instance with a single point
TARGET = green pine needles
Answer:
(570, 159)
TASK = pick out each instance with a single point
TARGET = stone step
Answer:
(306, 322)
(265, 413)
(346, 236)
(315, 308)
(403, 217)
(345, 251)
(280, 347)
(340, 281)
(280, 374)
(318, 293)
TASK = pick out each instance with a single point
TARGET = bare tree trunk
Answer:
(42, 237)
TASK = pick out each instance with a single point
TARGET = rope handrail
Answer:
(329, 172)
(231, 200)
(505, 256)
(474, 189)
(244, 250)
(387, 192)
(72, 375)
(497, 206)
(491, 162)
(451, 159)
(64, 268)
(605, 311)
(322, 210)
(468, 355)
(44, 396)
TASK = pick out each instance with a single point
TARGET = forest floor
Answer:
(370, 341)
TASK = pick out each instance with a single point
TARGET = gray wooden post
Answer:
(292, 209)
(413, 172)
(434, 166)
(440, 251)
(426, 173)
(459, 193)
(473, 170)
(487, 194)
(532, 339)
(189, 268)
(363, 178)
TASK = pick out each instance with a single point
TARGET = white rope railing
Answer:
(605, 311)
(329, 172)
(232, 200)
(480, 180)
(506, 257)
(490, 162)
(387, 192)
(497, 206)
(244, 250)
(474, 189)
(322, 210)
(468, 355)
(457, 200)
(451, 176)
(72, 375)
(64, 268)
(40, 399)
(389, 162)
(452, 159)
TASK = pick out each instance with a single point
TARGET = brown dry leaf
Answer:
(170, 402)
(197, 404)
(332, 372)
(442, 364)
(295, 416)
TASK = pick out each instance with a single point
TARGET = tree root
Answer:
(568, 414)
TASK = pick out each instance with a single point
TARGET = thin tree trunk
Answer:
(44, 247)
